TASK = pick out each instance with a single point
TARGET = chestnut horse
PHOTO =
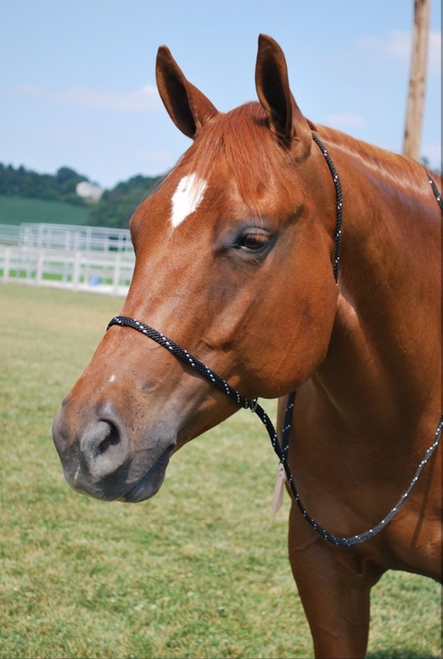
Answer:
(237, 260)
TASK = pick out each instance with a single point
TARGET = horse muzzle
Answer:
(101, 460)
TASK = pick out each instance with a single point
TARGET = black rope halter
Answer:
(253, 405)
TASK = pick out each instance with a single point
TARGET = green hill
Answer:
(16, 210)
(26, 196)
(22, 182)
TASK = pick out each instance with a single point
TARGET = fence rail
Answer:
(82, 238)
(102, 272)
(9, 234)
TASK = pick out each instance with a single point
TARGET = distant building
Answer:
(90, 192)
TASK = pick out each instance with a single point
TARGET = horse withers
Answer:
(241, 260)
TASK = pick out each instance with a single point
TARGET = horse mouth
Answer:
(151, 482)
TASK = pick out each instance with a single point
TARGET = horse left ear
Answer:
(188, 108)
(272, 84)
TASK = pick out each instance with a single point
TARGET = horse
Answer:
(288, 257)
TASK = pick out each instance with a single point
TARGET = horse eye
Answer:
(252, 241)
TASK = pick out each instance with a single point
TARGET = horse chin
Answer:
(121, 486)
(151, 482)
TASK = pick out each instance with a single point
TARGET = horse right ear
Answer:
(272, 83)
(188, 108)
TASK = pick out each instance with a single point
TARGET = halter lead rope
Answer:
(339, 205)
(436, 192)
(253, 405)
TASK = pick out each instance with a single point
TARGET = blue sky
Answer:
(77, 83)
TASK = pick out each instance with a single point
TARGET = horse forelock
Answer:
(250, 150)
(258, 163)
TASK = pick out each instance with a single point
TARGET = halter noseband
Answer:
(253, 405)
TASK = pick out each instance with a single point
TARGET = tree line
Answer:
(116, 206)
(22, 182)
(113, 210)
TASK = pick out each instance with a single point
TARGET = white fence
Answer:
(102, 272)
(73, 257)
(9, 234)
(64, 236)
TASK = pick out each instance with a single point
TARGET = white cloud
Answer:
(396, 45)
(435, 53)
(346, 120)
(146, 98)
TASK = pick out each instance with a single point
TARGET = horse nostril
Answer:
(112, 439)
(103, 449)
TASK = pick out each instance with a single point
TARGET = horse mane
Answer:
(242, 136)
(402, 172)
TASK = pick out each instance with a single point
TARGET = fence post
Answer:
(117, 271)
(76, 272)
(39, 267)
(6, 264)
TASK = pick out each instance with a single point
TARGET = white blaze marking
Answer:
(187, 198)
(112, 378)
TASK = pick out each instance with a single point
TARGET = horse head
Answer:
(233, 262)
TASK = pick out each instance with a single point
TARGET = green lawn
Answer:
(199, 571)
(16, 210)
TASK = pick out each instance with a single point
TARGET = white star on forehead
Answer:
(187, 198)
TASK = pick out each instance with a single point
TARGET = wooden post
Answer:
(117, 272)
(76, 273)
(417, 80)
(6, 264)
(40, 259)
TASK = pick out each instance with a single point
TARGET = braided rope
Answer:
(339, 205)
(436, 192)
(366, 535)
(281, 451)
(252, 404)
(184, 355)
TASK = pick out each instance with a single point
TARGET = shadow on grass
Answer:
(401, 653)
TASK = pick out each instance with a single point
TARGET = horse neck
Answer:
(383, 359)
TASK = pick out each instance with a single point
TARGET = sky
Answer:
(77, 77)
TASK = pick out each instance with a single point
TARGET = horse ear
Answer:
(275, 96)
(188, 108)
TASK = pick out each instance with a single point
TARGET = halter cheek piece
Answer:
(252, 404)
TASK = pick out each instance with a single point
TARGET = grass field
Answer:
(199, 571)
(16, 210)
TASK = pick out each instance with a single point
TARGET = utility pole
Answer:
(417, 80)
